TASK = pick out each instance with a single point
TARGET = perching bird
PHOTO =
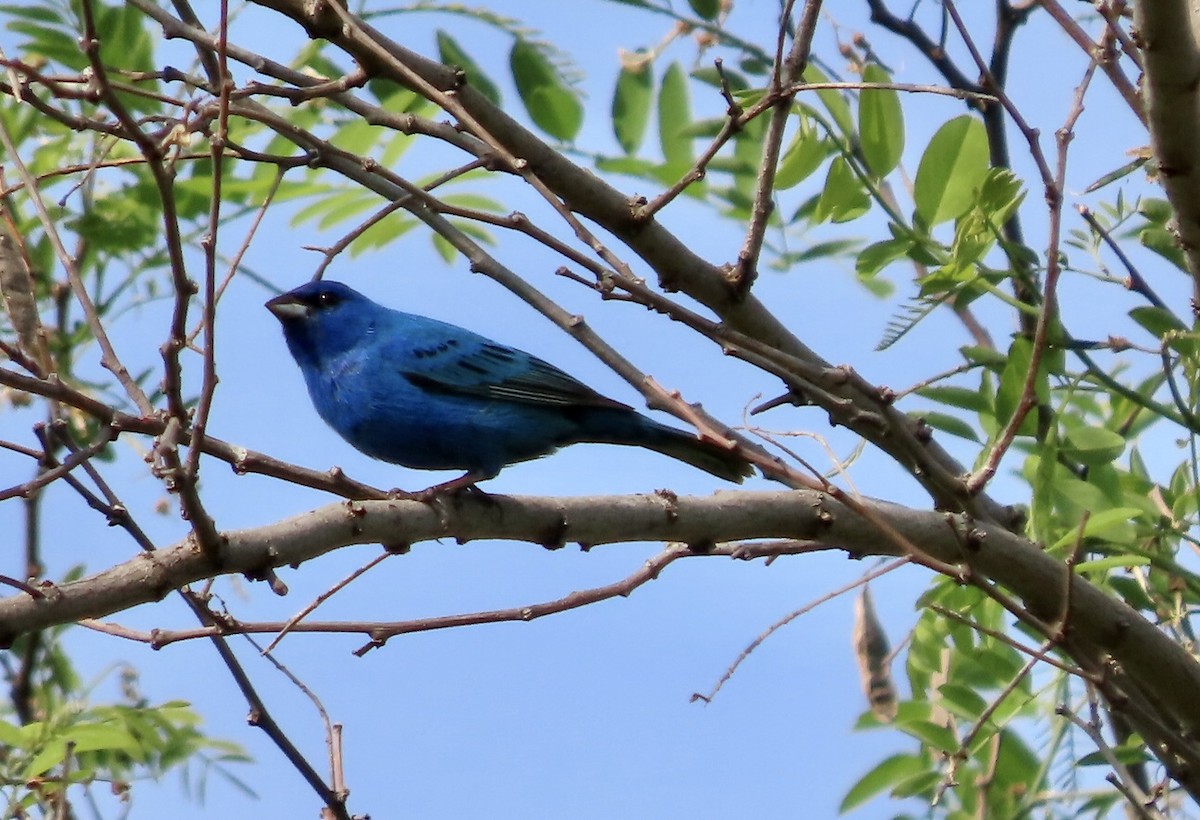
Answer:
(415, 391)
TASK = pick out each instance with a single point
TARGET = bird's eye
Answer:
(327, 299)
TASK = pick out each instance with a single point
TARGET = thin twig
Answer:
(1126, 89)
(786, 71)
(325, 596)
(1054, 195)
(791, 616)
(109, 358)
(1136, 282)
(1138, 801)
(382, 630)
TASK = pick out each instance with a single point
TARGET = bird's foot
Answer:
(462, 485)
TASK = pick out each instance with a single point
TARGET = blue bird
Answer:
(426, 394)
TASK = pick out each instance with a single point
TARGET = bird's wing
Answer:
(471, 365)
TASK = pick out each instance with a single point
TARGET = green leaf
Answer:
(804, 154)
(630, 166)
(98, 736)
(1116, 175)
(725, 78)
(452, 54)
(923, 784)
(116, 223)
(11, 736)
(1012, 382)
(1156, 321)
(1129, 755)
(987, 356)
(708, 127)
(880, 123)
(876, 285)
(886, 775)
(706, 9)
(907, 316)
(1018, 764)
(1093, 445)
(382, 233)
(833, 101)
(1102, 523)
(950, 424)
(934, 735)
(329, 208)
(962, 700)
(1132, 593)
(1163, 242)
(962, 397)
(1000, 663)
(125, 40)
(50, 43)
(631, 104)
(843, 198)
(1113, 562)
(445, 250)
(45, 15)
(357, 136)
(552, 104)
(824, 250)
(1071, 490)
(875, 258)
(952, 169)
(1155, 210)
(1000, 195)
(674, 115)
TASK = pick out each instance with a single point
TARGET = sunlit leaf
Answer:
(1113, 562)
(875, 258)
(949, 424)
(833, 101)
(1156, 210)
(961, 397)
(1012, 384)
(931, 734)
(881, 778)
(11, 737)
(804, 154)
(674, 115)
(1093, 445)
(880, 123)
(843, 198)
(962, 700)
(552, 104)
(1101, 523)
(1156, 321)
(631, 104)
(1000, 195)
(952, 169)
(1129, 755)
(452, 54)
(1164, 242)
(987, 356)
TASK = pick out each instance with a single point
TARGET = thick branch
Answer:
(1168, 33)
(1105, 626)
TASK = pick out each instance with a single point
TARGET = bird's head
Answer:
(323, 319)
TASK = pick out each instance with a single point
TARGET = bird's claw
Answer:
(450, 489)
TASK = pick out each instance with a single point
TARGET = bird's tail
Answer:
(632, 428)
(699, 453)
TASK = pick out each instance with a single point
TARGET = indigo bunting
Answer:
(415, 391)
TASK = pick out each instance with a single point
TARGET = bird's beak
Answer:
(287, 307)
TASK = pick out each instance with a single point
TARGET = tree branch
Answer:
(1100, 625)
